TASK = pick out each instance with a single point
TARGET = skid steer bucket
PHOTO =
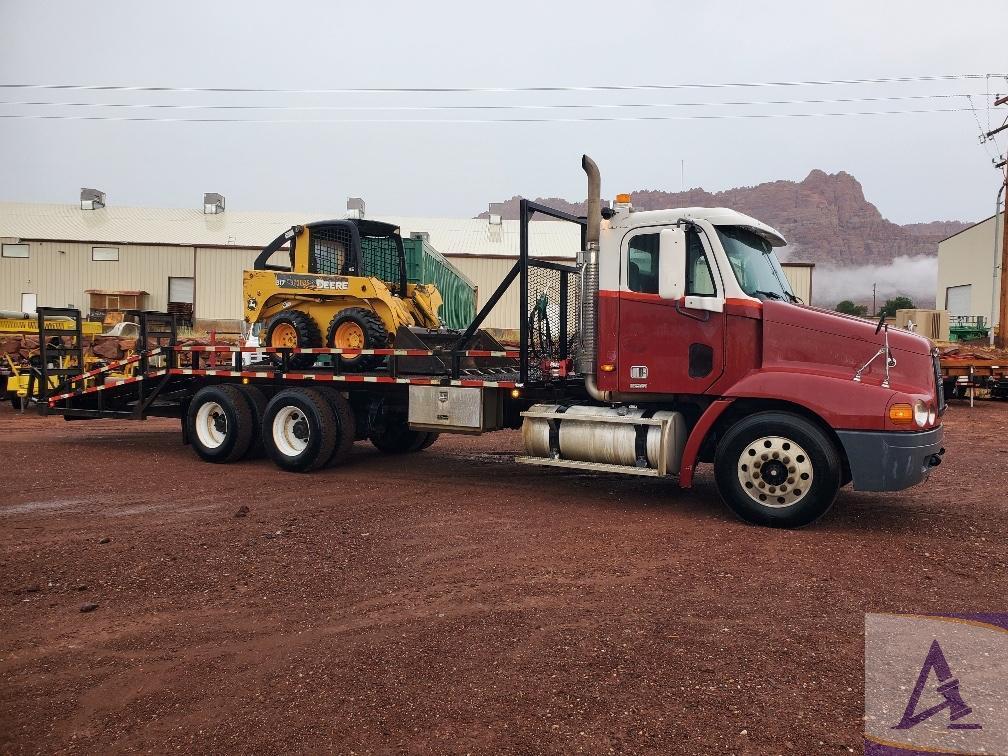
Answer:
(441, 342)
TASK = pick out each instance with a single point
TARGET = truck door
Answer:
(669, 346)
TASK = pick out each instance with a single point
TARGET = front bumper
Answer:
(891, 460)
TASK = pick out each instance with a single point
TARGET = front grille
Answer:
(939, 384)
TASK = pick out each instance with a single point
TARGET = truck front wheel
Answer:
(777, 469)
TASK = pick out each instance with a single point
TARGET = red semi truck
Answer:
(674, 340)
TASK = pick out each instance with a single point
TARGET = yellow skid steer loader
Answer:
(342, 283)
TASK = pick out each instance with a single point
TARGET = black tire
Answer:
(308, 336)
(257, 401)
(431, 438)
(15, 402)
(376, 336)
(220, 424)
(399, 438)
(299, 430)
(346, 430)
(779, 448)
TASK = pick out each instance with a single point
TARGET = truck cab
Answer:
(694, 313)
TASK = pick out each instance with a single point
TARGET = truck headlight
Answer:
(920, 413)
(932, 416)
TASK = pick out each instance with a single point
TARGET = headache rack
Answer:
(549, 295)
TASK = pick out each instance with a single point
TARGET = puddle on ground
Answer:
(45, 505)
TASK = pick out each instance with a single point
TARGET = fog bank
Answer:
(915, 277)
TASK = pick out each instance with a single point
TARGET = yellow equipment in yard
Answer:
(344, 285)
(16, 369)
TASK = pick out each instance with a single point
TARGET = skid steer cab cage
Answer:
(344, 248)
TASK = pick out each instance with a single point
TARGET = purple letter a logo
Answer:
(949, 688)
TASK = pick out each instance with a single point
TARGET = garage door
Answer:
(958, 300)
(181, 289)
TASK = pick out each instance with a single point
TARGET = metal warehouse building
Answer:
(968, 270)
(62, 254)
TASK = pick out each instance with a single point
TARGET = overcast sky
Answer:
(914, 167)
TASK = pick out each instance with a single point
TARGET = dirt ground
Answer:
(453, 601)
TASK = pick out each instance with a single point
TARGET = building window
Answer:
(105, 254)
(15, 250)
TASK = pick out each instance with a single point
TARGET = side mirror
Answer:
(672, 263)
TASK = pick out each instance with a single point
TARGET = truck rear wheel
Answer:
(296, 330)
(777, 469)
(257, 401)
(346, 425)
(221, 424)
(358, 328)
(399, 438)
(299, 430)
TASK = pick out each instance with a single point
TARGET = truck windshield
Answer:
(756, 266)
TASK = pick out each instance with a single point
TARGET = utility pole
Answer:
(1002, 335)
(874, 309)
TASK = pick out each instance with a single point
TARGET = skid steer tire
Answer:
(303, 332)
(346, 431)
(399, 438)
(299, 430)
(220, 424)
(366, 329)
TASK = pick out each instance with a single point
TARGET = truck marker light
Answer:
(607, 367)
(901, 413)
(515, 393)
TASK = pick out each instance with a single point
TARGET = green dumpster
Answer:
(424, 264)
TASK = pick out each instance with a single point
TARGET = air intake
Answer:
(213, 203)
(91, 199)
(355, 207)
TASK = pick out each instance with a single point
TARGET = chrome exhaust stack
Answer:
(588, 354)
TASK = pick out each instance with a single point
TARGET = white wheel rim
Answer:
(211, 425)
(290, 431)
(775, 472)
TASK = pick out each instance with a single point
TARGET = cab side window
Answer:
(699, 276)
(642, 263)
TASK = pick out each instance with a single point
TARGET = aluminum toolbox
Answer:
(455, 409)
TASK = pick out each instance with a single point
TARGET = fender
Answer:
(840, 402)
(696, 438)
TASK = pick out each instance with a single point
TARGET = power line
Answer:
(410, 108)
(587, 119)
(587, 88)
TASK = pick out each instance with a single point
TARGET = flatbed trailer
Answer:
(674, 340)
(967, 374)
